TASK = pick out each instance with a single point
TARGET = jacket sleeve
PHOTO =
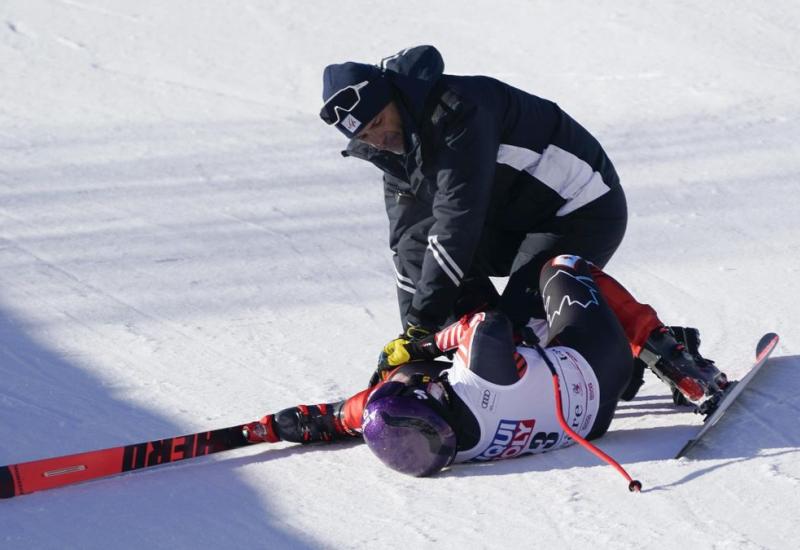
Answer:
(409, 223)
(484, 342)
(464, 168)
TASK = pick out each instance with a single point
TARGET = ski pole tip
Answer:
(635, 486)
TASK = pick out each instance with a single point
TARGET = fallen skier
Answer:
(497, 399)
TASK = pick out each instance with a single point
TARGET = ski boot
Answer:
(672, 353)
(300, 424)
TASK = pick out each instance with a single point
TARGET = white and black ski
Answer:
(763, 350)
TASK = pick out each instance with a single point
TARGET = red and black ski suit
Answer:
(587, 311)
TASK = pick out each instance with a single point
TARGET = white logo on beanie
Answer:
(351, 123)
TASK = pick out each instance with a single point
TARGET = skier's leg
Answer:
(671, 353)
(331, 421)
(638, 320)
(303, 424)
(580, 318)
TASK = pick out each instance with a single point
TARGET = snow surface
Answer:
(183, 248)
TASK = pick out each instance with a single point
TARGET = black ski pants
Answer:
(593, 232)
(579, 317)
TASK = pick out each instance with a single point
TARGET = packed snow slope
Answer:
(183, 248)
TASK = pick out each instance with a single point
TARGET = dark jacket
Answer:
(484, 161)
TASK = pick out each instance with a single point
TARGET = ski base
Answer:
(764, 349)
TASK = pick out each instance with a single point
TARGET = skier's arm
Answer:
(485, 345)
(403, 350)
(450, 337)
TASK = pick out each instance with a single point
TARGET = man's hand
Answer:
(415, 344)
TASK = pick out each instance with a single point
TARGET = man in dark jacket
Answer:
(480, 179)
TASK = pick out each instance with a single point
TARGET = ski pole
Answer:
(634, 485)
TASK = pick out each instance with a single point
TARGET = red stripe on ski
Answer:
(49, 473)
(55, 472)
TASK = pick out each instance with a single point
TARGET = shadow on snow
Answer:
(51, 405)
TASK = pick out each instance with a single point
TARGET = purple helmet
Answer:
(405, 427)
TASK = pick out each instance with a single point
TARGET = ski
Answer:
(49, 473)
(763, 350)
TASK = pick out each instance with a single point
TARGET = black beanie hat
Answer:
(374, 92)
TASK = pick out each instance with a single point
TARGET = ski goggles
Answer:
(353, 107)
(342, 103)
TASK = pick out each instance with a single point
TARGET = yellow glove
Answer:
(404, 349)
(396, 352)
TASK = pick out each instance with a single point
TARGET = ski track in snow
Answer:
(182, 248)
(163, 325)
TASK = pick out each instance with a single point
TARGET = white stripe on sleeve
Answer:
(403, 282)
(445, 261)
